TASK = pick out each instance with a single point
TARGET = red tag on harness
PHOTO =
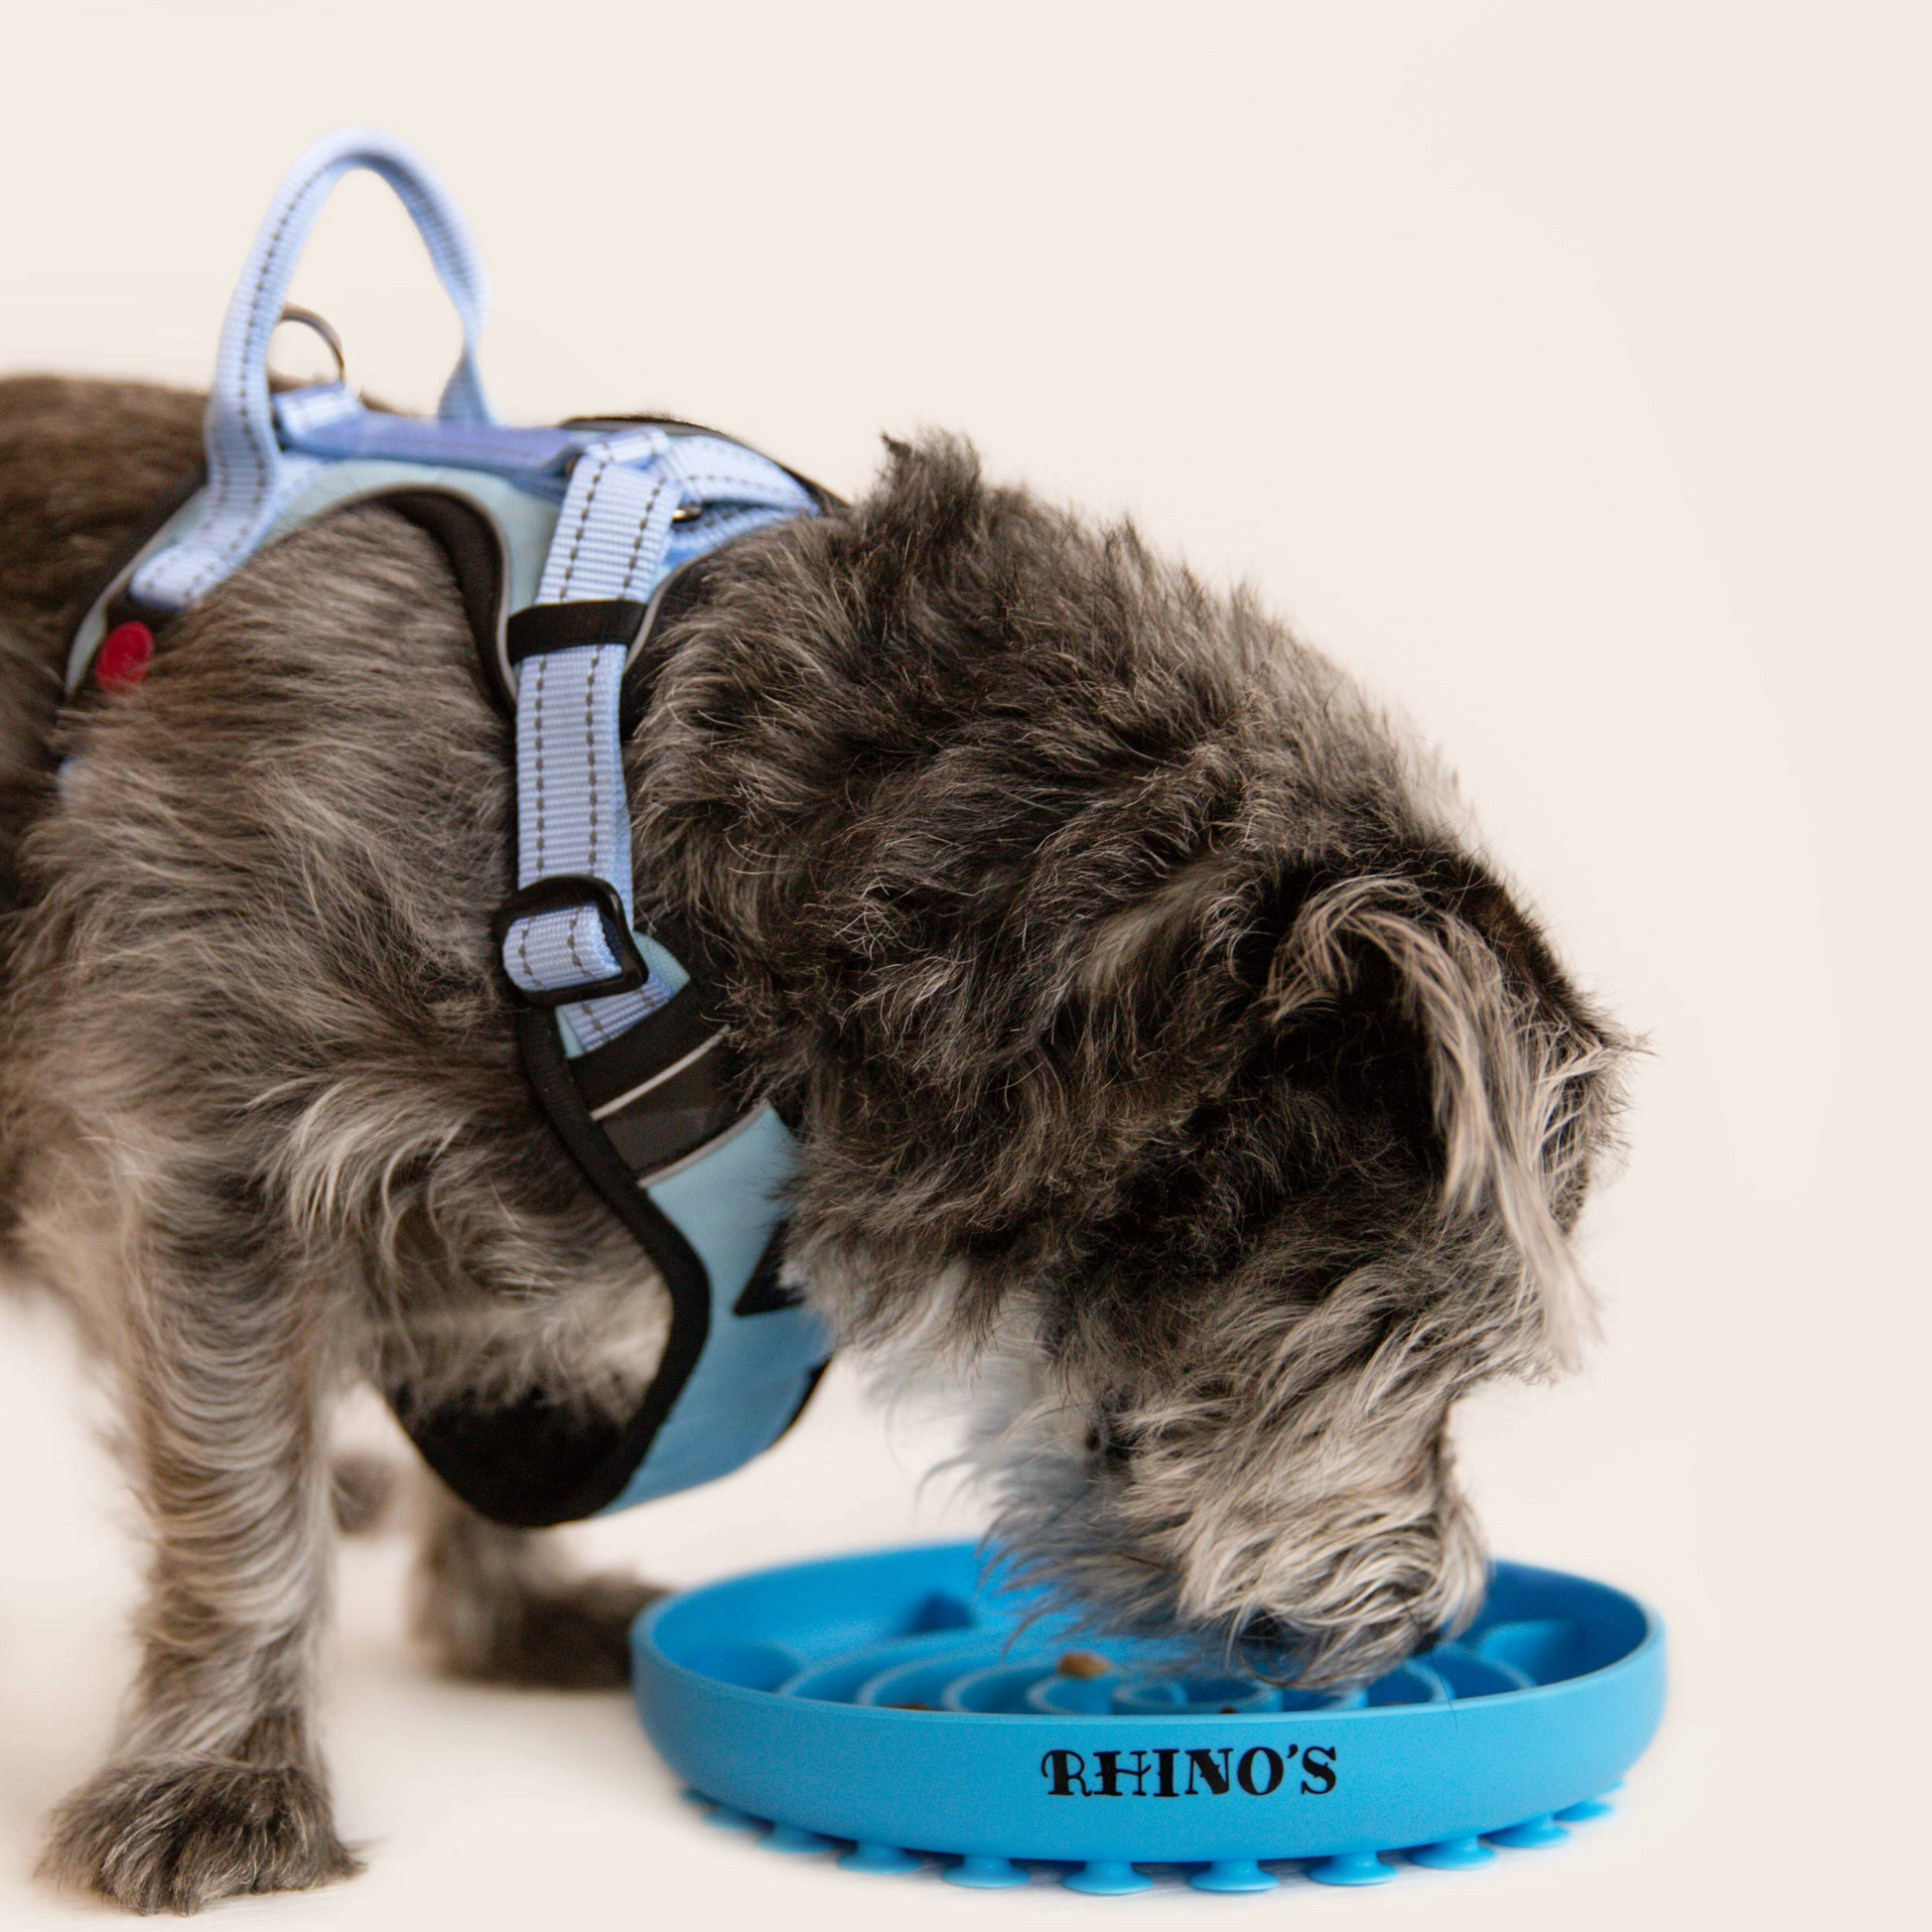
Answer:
(124, 657)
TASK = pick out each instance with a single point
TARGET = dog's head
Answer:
(1173, 1073)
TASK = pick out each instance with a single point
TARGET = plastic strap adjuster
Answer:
(543, 628)
(571, 892)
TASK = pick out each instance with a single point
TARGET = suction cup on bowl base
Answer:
(1453, 1855)
(880, 1858)
(1233, 1874)
(1106, 1878)
(985, 1874)
(1582, 1814)
(1532, 1834)
(796, 1839)
(1350, 1868)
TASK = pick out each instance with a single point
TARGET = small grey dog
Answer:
(1176, 1081)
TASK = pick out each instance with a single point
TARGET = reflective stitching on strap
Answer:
(616, 538)
(250, 478)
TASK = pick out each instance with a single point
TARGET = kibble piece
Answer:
(1084, 1663)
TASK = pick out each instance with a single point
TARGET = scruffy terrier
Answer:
(1176, 1081)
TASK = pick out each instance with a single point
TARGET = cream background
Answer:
(1560, 367)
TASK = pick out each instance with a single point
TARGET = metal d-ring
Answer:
(318, 325)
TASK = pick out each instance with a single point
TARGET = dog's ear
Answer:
(1517, 1074)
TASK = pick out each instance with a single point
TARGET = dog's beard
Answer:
(1026, 1442)
(1317, 1537)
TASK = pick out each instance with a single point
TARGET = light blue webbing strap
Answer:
(573, 815)
(639, 503)
(251, 477)
(637, 506)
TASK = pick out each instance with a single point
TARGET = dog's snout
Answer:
(1271, 1641)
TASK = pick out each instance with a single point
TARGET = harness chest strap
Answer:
(564, 541)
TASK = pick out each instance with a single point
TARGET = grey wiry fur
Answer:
(1175, 1081)
(497, 1606)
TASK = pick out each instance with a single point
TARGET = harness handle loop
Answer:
(249, 476)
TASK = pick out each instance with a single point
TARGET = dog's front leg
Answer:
(216, 1785)
(502, 1606)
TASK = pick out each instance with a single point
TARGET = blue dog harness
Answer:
(566, 543)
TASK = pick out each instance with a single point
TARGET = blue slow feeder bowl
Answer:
(900, 1703)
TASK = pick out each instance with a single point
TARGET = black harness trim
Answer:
(764, 1292)
(653, 1097)
(534, 1463)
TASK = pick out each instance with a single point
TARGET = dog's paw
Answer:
(563, 1636)
(173, 1834)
